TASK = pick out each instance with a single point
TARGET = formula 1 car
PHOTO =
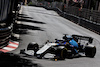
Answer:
(68, 47)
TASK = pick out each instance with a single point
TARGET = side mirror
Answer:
(47, 42)
(56, 39)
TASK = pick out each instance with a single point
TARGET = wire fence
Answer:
(84, 17)
(91, 15)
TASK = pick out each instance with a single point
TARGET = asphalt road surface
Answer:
(42, 25)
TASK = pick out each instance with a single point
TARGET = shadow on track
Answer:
(24, 16)
(28, 27)
(32, 21)
(23, 29)
(13, 60)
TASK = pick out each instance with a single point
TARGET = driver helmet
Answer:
(69, 37)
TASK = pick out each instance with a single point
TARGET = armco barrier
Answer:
(93, 26)
(89, 19)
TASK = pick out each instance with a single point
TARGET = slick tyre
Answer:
(90, 51)
(33, 46)
(63, 54)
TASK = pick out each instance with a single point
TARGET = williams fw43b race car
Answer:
(69, 47)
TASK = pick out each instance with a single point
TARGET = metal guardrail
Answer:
(84, 17)
(91, 15)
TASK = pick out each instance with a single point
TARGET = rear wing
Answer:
(79, 37)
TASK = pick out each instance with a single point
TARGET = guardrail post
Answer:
(79, 18)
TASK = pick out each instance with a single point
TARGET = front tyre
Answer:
(63, 53)
(33, 46)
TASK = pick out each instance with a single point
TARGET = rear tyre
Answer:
(90, 51)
